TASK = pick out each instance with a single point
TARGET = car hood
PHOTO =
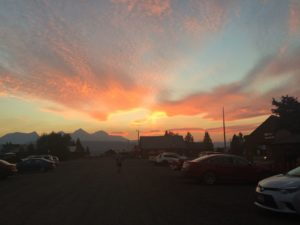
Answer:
(280, 181)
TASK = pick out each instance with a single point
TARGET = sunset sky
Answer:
(152, 65)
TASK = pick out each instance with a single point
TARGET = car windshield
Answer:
(295, 172)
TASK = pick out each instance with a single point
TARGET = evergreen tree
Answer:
(288, 110)
(170, 133)
(189, 138)
(55, 144)
(237, 144)
(207, 142)
(79, 150)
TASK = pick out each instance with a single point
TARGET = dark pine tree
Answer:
(55, 144)
(237, 144)
(288, 110)
(189, 138)
(207, 142)
(79, 150)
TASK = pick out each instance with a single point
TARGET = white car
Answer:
(280, 193)
(166, 158)
(48, 157)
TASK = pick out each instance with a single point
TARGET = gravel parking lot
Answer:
(91, 192)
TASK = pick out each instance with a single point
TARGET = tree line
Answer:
(57, 144)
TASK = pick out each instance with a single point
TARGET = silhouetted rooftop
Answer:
(162, 142)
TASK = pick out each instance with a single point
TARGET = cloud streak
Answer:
(294, 17)
(122, 55)
(243, 99)
(146, 7)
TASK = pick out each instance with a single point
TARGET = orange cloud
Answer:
(242, 99)
(152, 132)
(185, 130)
(118, 133)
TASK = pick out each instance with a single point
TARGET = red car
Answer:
(223, 167)
(7, 169)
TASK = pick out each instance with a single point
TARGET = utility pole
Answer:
(138, 133)
(224, 130)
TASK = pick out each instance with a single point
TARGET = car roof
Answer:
(218, 155)
(170, 153)
(4, 162)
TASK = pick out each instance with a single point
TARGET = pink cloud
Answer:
(148, 7)
(294, 17)
(242, 99)
(209, 16)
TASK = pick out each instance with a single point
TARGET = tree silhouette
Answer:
(55, 144)
(237, 144)
(207, 142)
(79, 150)
(288, 110)
(7, 147)
(189, 138)
(31, 149)
(170, 133)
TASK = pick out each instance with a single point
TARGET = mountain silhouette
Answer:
(25, 138)
(19, 138)
(96, 136)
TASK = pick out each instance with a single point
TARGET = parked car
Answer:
(280, 193)
(48, 157)
(203, 153)
(35, 164)
(166, 158)
(152, 157)
(7, 169)
(223, 167)
(56, 159)
(176, 164)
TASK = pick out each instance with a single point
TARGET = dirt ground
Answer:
(91, 192)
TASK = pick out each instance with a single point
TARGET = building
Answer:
(157, 144)
(270, 142)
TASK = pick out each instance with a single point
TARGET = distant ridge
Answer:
(96, 136)
(19, 138)
(26, 138)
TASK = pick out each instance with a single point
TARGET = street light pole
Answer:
(224, 130)
(138, 133)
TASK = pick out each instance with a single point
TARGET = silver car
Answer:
(280, 193)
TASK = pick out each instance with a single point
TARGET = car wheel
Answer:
(209, 178)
